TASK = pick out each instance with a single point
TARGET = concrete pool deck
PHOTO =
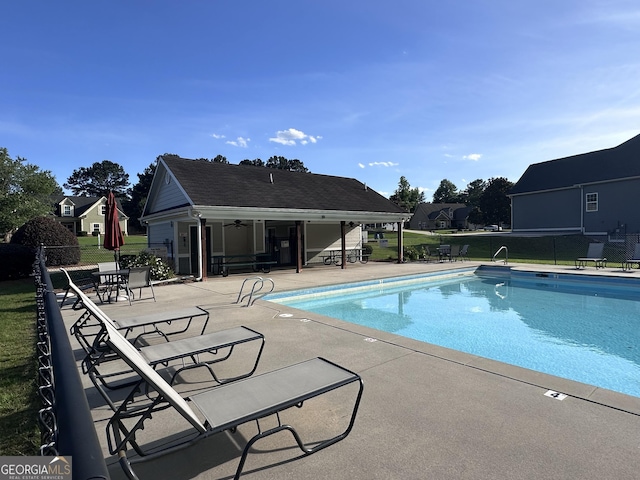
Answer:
(426, 412)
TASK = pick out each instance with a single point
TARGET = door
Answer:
(193, 235)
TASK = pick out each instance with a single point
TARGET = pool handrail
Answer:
(506, 253)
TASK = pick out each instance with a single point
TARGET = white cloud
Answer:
(239, 142)
(474, 157)
(361, 165)
(383, 164)
(217, 136)
(292, 137)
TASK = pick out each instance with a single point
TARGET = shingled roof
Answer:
(614, 163)
(219, 184)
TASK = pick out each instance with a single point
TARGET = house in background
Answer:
(594, 193)
(437, 216)
(85, 214)
(211, 211)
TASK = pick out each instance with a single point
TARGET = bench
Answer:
(265, 266)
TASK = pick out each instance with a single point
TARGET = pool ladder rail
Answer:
(257, 290)
(506, 254)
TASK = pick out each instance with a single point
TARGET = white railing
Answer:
(257, 290)
(506, 254)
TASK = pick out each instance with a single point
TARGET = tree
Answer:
(256, 162)
(281, 163)
(216, 159)
(494, 202)
(446, 192)
(25, 192)
(138, 196)
(471, 195)
(475, 216)
(407, 197)
(219, 159)
(97, 180)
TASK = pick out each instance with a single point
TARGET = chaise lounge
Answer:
(594, 254)
(634, 260)
(201, 351)
(222, 408)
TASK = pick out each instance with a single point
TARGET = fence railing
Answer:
(565, 249)
(549, 249)
(66, 423)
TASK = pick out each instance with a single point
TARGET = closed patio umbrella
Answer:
(113, 238)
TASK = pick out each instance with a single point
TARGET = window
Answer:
(103, 209)
(67, 211)
(96, 227)
(592, 202)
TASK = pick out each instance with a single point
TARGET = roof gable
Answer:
(615, 163)
(216, 184)
(82, 205)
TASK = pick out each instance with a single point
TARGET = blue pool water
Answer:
(577, 329)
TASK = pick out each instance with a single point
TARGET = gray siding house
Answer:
(434, 216)
(211, 211)
(594, 193)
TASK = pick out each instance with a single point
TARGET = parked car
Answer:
(492, 228)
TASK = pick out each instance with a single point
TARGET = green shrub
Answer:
(46, 231)
(159, 269)
(83, 234)
(367, 249)
(16, 260)
(410, 253)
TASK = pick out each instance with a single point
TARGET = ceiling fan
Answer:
(237, 224)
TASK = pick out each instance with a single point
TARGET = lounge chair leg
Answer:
(126, 466)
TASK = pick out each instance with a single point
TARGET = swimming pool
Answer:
(576, 327)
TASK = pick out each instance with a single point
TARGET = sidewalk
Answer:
(427, 412)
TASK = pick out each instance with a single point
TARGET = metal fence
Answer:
(547, 249)
(561, 249)
(65, 419)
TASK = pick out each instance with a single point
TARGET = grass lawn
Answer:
(19, 400)
(93, 252)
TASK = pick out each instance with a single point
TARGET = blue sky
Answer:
(369, 89)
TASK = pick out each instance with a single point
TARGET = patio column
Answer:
(203, 248)
(343, 241)
(400, 246)
(298, 246)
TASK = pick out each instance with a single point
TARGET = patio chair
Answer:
(444, 251)
(634, 260)
(104, 284)
(594, 254)
(224, 408)
(192, 352)
(454, 253)
(139, 277)
(464, 253)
